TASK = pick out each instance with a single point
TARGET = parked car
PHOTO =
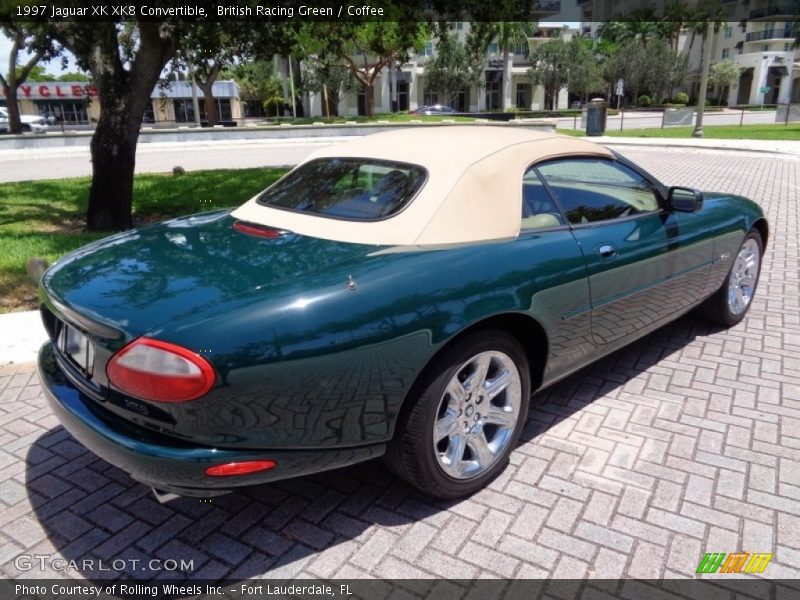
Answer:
(33, 123)
(402, 294)
(433, 109)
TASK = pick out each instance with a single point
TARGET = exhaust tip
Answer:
(164, 497)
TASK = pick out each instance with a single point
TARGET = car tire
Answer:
(730, 303)
(444, 444)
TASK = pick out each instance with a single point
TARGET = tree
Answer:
(125, 60)
(258, 84)
(41, 49)
(365, 47)
(330, 79)
(550, 69)
(452, 68)
(723, 75)
(509, 35)
(585, 75)
(206, 50)
(708, 17)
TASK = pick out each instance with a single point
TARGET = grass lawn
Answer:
(47, 218)
(727, 132)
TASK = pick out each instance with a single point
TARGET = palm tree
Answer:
(510, 34)
(707, 20)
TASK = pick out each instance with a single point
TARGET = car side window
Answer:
(538, 209)
(594, 189)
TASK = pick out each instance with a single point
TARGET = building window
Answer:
(726, 52)
(402, 95)
(184, 113)
(727, 32)
(64, 111)
(494, 83)
(149, 114)
(524, 95)
(430, 98)
(428, 50)
(460, 102)
(492, 48)
(459, 25)
(521, 49)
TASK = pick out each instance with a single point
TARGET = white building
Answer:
(504, 82)
(758, 38)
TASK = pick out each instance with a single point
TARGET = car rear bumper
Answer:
(169, 464)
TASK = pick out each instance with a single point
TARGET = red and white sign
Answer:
(55, 91)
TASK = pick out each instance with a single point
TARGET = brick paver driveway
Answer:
(686, 442)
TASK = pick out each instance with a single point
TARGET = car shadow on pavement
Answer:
(94, 514)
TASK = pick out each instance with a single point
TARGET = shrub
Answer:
(681, 98)
(644, 100)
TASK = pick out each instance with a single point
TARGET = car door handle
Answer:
(607, 251)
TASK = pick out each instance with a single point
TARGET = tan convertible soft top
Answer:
(473, 192)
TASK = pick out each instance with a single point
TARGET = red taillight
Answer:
(156, 370)
(257, 230)
(240, 468)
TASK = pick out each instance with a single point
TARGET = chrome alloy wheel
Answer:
(477, 414)
(743, 277)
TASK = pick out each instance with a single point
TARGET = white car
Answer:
(29, 122)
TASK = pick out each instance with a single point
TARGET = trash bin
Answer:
(596, 117)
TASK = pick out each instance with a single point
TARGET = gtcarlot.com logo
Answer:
(736, 562)
(48, 562)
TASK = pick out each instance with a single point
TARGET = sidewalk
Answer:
(791, 148)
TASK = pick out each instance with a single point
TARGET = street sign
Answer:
(620, 87)
(764, 89)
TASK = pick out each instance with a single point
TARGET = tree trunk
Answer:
(14, 123)
(123, 94)
(369, 99)
(209, 104)
(113, 160)
(506, 78)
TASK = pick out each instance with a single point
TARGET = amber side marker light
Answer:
(240, 468)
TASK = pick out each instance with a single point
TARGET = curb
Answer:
(23, 335)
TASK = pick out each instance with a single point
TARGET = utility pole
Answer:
(708, 40)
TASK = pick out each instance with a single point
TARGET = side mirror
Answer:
(685, 199)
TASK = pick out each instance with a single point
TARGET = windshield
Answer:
(354, 189)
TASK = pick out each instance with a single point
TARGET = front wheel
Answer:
(465, 419)
(730, 303)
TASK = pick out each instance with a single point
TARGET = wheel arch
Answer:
(525, 329)
(762, 227)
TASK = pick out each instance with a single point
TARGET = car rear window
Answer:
(353, 189)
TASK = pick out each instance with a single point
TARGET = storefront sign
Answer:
(55, 91)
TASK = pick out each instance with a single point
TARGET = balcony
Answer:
(769, 34)
(775, 11)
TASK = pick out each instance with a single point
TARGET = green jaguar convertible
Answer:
(402, 294)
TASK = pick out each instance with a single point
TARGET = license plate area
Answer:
(77, 348)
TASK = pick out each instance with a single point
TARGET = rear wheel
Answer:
(730, 303)
(458, 432)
